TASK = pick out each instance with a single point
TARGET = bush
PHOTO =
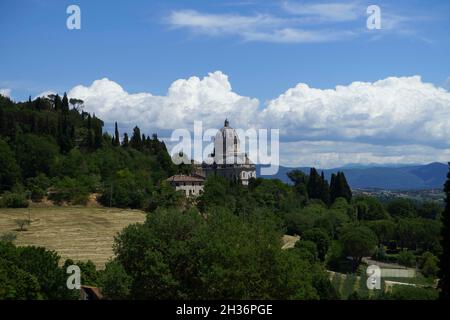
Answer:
(406, 258)
(306, 250)
(428, 264)
(403, 292)
(115, 282)
(13, 200)
(8, 237)
(22, 224)
(69, 190)
(380, 254)
(37, 186)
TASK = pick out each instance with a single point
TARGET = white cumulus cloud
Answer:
(209, 99)
(389, 111)
(393, 120)
(5, 92)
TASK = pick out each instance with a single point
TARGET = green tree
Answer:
(9, 170)
(65, 104)
(406, 258)
(429, 264)
(339, 187)
(430, 210)
(320, 238)
(318, 187)
(384, 229)
(444, 259)
(115, 282)
(174, 256)
(369, 208)
(125, 141)
(358, 242)
(402, 208)
(136, 139)
(300, 180)
(35, 154)
(116, 135)
(43, 264)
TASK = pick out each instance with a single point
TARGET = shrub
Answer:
(22, 224)
(8, 237)
(13, 200)
(69, 190)
(406, 258)
(428, 264)
(402, 292)
(38, 186)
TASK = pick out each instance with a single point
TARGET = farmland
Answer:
(78, 233)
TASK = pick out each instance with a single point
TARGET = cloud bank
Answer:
(393, 120)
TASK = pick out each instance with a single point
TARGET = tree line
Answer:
(224, 244)
(51, 148)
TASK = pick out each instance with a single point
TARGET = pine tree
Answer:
(339, 187)
(444, 261)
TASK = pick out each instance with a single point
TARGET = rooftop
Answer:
(186, 178)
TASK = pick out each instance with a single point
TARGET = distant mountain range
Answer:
(398, 177)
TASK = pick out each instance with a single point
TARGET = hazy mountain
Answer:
(392, 177)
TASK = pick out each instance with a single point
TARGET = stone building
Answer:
(227, 159)
(192, 185)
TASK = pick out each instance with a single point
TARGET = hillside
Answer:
(406, 177)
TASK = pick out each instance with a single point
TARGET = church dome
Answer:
(226, 144)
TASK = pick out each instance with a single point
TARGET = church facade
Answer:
(227, 160)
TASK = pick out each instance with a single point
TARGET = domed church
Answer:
(228, 161)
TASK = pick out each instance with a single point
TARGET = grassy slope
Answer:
(78, 233)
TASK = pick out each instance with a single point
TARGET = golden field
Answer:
(78, 233)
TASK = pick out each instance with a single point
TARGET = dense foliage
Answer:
(50, 148)
(224, 244)
(444, 263)
(31, 273)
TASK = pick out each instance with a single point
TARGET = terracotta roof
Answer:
(92, 292)
(185, 178)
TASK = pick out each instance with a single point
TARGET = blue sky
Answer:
(264, 48)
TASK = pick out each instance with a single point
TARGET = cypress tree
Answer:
(65, 104)
(125, 141)
(346, 191)
(57, 103)
(98, 137)
(324, 190)
(136, 139)
(444, 261)
(314, 185)
(116, 141)
(333, 188)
